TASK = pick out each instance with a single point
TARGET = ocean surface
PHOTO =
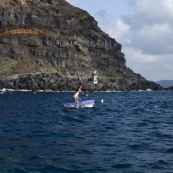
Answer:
(130, 132)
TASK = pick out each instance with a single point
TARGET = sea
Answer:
(125, 132)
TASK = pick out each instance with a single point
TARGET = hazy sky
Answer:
(143, 27)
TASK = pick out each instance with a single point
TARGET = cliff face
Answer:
(49, 44)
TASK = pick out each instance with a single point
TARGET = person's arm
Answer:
(80, 88)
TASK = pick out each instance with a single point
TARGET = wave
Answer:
(11, 90)
(3, 90)
(170, 150)
(24, 90)
(109, 91)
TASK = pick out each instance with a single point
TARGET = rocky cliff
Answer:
(50, 44)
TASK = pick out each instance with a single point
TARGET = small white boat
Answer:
(79, 104)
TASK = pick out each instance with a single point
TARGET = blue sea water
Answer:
(129, 132)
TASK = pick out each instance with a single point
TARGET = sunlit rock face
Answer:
(50, 44)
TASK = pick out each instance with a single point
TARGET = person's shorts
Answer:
(75, 100)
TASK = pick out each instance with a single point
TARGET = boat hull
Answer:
(79, 104)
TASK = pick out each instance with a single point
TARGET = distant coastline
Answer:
(165, 83)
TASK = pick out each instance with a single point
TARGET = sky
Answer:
(143, 27)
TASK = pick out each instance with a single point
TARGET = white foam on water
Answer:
(23, 90)
(3, 90)
(11, 90)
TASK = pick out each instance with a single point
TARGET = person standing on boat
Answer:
(76, 95)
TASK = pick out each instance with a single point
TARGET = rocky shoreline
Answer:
(168, 89)
(60, 82)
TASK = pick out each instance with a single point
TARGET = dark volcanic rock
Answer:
(170, 88)
(49, 44)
